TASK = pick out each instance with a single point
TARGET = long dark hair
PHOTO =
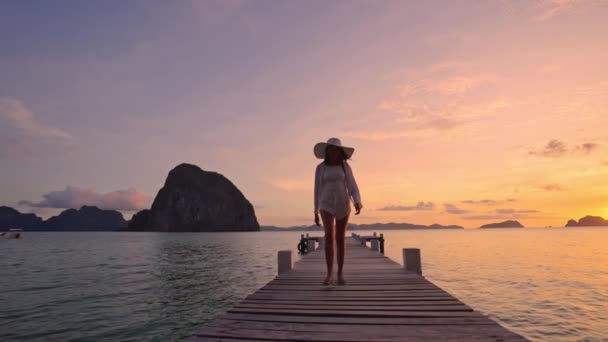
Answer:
(343, 157)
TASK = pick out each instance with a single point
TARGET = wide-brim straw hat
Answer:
(320, 148)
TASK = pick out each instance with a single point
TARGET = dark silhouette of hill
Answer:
(505, 224)
(588, 221)
(194, 200)
(87, 218)
(11, 218)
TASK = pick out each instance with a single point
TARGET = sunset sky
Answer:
(461, 112)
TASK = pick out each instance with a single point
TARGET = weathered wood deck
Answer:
(380, 302)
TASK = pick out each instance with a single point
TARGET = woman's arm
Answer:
(317, 194)
(353, 189)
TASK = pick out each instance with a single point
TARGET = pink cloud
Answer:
(14, 113)
(454, 85)
(23, 135)
(73, 197)
(419, 206)
(556, 148)
(552, 8)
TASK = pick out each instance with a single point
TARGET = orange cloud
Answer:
(452, 209)
(552, 187)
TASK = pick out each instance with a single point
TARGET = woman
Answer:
(334, 186)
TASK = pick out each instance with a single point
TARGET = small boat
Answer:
(15, 233)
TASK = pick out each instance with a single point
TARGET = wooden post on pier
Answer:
(411, 260)
(285, 261)
(312, 245)
(375, 245)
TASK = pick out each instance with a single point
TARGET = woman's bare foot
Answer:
(341, 280)
(328, 281)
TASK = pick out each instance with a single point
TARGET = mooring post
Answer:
(411, 260)
(311, 245)
(375, 245)
(285, 261)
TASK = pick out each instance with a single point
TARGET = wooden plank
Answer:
(355, 302)
(354, 313)
(375, 294)
(360, 320)
(351, 298)
(366, 288)
(382, 308)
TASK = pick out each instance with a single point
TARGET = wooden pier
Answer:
(381, 301)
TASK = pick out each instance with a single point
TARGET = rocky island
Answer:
(87, 218)
(505, 224)
(588, 221)
(194, 200)
(11, 218)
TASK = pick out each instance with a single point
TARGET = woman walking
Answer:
(334, 187)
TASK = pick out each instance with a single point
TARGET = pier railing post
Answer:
(411, 260)
(285, 261)
(375, 245)
(312, 245)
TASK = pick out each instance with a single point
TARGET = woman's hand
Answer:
(317, 219)
(358, 207)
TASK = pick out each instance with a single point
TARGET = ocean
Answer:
(547, 284)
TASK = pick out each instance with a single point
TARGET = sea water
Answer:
(545, 284)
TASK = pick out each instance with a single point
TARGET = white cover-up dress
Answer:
(334, 186)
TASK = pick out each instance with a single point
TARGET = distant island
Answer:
(87, 218)
(376, 226)
(505, 224)
(588, 221)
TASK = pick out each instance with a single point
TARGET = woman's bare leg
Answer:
(340, 236)
(328, 224)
